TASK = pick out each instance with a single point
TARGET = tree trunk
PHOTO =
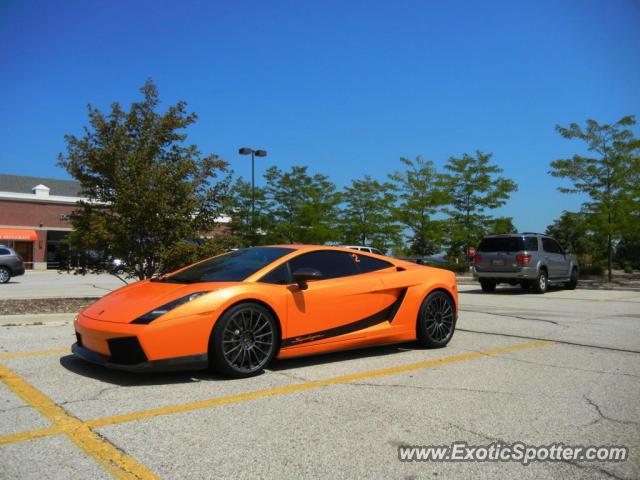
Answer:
(609, 255)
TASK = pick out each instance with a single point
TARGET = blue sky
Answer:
(345, 87)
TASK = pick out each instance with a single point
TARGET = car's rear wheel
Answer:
(542, 282)
(5, 274)
(436, 320)
(573, 281)
(488, 285)
(244, 340)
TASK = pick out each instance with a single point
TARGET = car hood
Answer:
(128, 303)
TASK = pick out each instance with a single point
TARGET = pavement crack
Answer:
(290, 375)
(11, 409)
(449, 389)
(564, 367)
(573, 463)
(557, 341)
(510, 316)
(602, 416)
(92, 398)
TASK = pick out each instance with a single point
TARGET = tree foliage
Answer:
(367, 214)
(301, 208)
(573, 232)
(473, 186)
(145, 188)
(249, 232)
(420, 197)
(608, 175)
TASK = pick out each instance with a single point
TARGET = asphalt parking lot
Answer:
(560, 367)
(54, 284)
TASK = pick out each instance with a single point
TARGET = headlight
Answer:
(157, 312)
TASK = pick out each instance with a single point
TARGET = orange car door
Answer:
(339, 304)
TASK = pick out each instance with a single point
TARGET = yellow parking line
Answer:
(120, 465)
(35, 354)
(270, 392)
(30, 435)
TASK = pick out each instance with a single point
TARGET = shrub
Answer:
(592, 270)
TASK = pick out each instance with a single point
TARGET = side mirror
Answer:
(302, 275)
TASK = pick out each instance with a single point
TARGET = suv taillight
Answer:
(522, 259)
(20, 258)
(477, 259)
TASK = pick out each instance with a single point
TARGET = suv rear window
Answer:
(4, 251)
(501, 244)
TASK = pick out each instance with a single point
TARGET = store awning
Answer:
(17, 234)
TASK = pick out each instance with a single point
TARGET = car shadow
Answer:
(341, 356)
(131, 379)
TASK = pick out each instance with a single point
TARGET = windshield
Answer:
(230, 267)
(501, 244)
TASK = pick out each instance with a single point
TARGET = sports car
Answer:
(237, 311)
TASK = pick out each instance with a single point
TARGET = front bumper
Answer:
(162, 346)
(190, 362)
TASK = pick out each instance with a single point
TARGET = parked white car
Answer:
(364, 249)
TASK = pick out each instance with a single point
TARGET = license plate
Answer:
(497, 262)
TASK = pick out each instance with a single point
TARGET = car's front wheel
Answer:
(244, 340)
(436, 320)
(5, 274)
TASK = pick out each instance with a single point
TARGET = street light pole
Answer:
(254, 153)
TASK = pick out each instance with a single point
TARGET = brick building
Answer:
(34, 217)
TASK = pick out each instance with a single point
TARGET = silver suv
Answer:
(532, 260)
(10, 264)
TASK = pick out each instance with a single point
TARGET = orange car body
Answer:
(379, 307)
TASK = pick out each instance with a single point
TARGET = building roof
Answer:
(24, 184)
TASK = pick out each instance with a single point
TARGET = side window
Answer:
(331, 264)
(4, 251)
(368, 264)
(531, 244)
(278, 276)
(551, 246)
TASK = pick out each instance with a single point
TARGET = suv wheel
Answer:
(541, 283)
(573, 281)
(5, 274)
(487, 285)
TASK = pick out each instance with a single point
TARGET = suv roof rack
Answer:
(534, 233)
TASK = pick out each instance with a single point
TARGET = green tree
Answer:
(608, 175)
(473, 187)
(419, 199)
(302, 208)
(498, 225)
(145, 189)
(573, 232)
(367, 214)
(240, 213)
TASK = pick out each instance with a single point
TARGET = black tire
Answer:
(436, 320)
(525, 284)
(244, 340)
(573, 281)
(542, 282)
(5, 274)
(487, 285)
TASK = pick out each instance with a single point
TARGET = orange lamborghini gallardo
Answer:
(237, 311)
